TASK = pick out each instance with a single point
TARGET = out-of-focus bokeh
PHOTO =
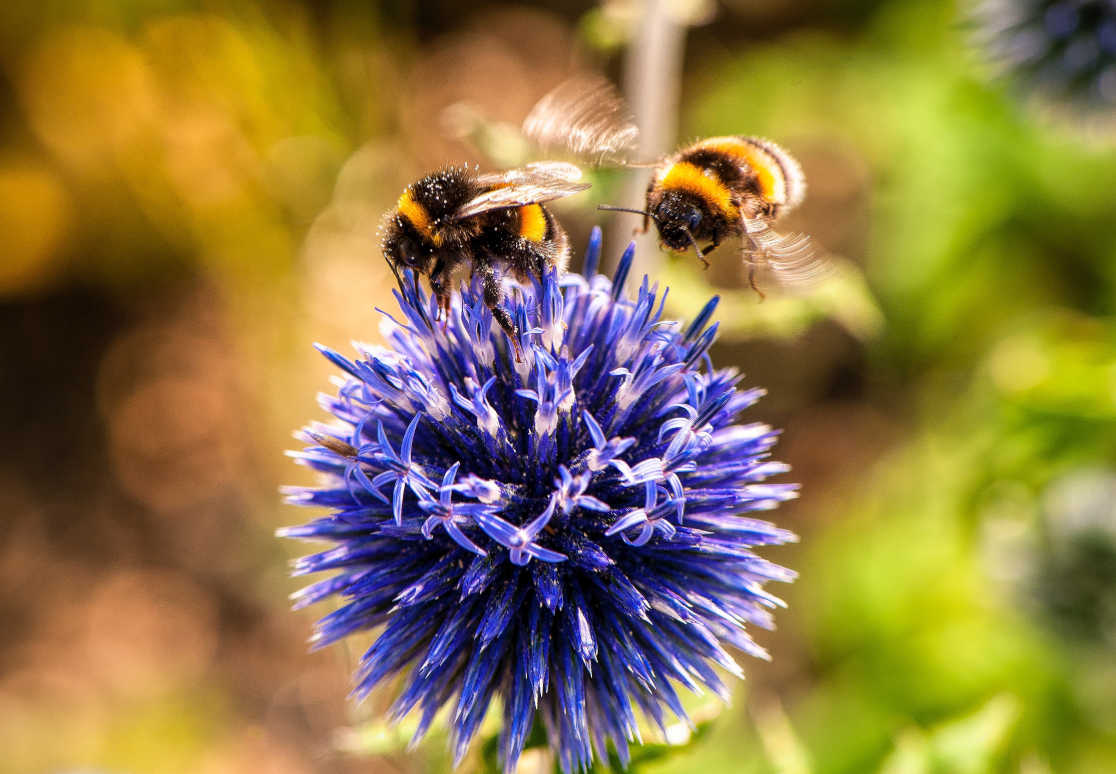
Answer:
(189, 196)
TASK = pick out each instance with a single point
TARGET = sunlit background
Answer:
(189, 197)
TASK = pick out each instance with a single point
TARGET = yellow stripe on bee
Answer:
(690, 177)
(418, 216)
(772, 183)
(532, 223)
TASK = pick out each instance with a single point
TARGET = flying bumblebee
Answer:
(454, 224)
(706, 192)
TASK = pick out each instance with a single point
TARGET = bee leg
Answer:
(753, 258)
(492, 298)
(441, 292)
(444, 308)
(706, 251)
(442, 296)
(752, 281)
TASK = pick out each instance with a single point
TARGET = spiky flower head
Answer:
(1063, 50)
(566, 534)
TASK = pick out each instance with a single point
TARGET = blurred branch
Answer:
(783, 748)
(652, 81)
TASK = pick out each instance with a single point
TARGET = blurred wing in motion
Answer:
(791, 258)
(533, 173)
(532, 184)
(584, 115)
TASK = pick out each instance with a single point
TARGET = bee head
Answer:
(405, 249)
(679, 215)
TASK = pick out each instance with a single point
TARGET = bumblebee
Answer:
(706, 192)
(455, 224)
(732, 186)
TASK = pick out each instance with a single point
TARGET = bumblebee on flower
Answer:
(567, 533)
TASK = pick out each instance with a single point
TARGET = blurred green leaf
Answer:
(843, 297)
(971, 744)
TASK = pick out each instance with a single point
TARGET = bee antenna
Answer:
(398, 279)
(644, 213)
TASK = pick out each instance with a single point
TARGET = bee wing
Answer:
(584, 115)
(538, 171)
(532, 184)
(792, 258)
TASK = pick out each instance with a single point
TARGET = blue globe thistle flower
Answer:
(565, 533)
(1062, 49)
